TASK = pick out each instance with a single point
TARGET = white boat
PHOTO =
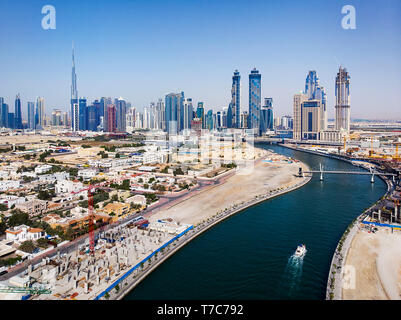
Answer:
(301, 250)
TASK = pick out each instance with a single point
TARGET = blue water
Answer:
(250, 256)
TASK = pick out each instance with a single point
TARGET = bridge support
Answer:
(372, 180)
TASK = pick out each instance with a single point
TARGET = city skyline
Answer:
(143, 71)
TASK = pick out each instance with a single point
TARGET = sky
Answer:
(143, 50)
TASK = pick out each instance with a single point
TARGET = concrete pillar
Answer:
(98, 280)
(86, 288)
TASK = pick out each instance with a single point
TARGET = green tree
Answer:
(27, 246)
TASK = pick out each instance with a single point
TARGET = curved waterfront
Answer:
(248, 256)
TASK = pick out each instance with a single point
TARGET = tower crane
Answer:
(91, 216)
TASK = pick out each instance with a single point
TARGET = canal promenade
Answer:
(338, 275)
(135, 278)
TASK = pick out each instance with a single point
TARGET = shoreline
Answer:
(334, 282)
(348, 238)
(199, 229)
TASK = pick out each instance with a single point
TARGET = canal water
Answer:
(250, 255)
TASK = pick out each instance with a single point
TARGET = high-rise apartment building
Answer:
(111, 118)
(75, 117)
(254, 100)
(18, 113)
(56, 117)
(4, 115)
(187, 113)
(31, 115)
(121, 111)
(235, 99)
(266, 116)
(82, 114)
(299, 98)
(343, 115)
(173, 106)
(40, 113)
(315, 91)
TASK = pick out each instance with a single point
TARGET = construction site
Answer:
(84, 274)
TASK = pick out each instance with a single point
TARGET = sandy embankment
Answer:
(377, 262)
(237, 189)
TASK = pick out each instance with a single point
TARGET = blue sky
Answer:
(142, 50)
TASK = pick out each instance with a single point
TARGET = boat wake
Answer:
(293, 274)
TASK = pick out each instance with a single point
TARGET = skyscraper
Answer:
(254, 99)
(121, 111)
(209, 120)
(82, 114)
(200, 113)
(229, 116)
(299, 98)
(18, 113)
(187, 113)
(111, 118)
(235, 99)
(173, 105)
(74, 91)
(266, 116)
(342, 107)
(40, 113)
(4, 115)
(1, 112)
(92, 117)
(161, 115)
(56, 117)
(31, 115)
(315, 91)
(75, 117)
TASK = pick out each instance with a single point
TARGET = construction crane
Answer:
(91, 225)
(28, 290)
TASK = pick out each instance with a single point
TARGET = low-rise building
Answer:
(138, 199)
(11, 200)
(24, 233)
(43, 169)
(58, 176)
(33, 207)
(117, 210)
(67, 186)
(121, 194)
(9, 185)
(87, 174)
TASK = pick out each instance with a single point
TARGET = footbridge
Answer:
(372, 173)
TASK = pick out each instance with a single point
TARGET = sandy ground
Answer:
(238, 188)
(377, 262)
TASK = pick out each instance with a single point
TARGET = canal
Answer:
(249, 256)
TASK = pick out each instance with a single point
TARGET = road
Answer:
(165, 201)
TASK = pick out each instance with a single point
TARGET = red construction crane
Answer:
(91, 215)
(91, 224)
